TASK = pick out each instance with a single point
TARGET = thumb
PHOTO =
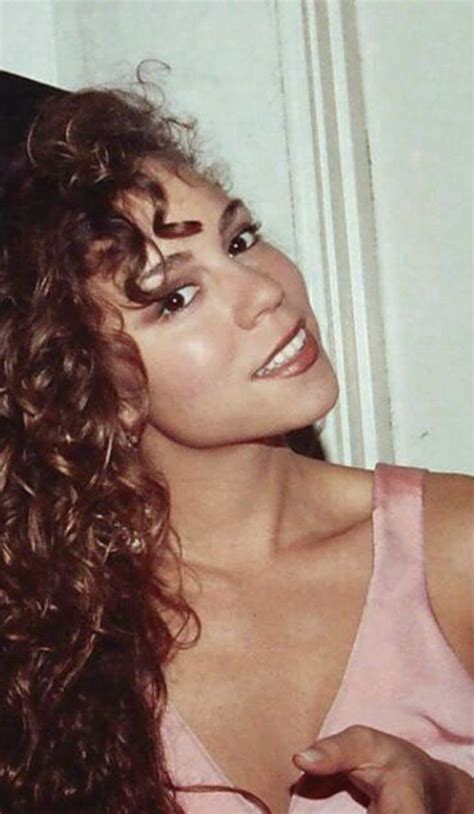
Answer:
(353, 748)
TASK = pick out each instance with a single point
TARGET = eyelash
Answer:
(251, 228)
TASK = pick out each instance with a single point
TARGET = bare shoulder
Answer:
(449, 521)
(449, 538)
(449, 503)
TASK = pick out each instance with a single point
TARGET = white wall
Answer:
(417, 73)
(27, 39)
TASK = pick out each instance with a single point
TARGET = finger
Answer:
(398, 806)
(399, 799)
(357, 747)
(403, 795)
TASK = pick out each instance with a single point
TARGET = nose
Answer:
(254, 293)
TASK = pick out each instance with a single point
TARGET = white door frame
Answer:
(333, 215)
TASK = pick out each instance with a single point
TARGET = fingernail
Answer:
(311, 755)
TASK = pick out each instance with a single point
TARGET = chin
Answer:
(300, 417)
(316, 405)
(312, 404)
(312, 417)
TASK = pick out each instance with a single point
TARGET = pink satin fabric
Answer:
(402, 677)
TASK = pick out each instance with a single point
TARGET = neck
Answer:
(229, 505)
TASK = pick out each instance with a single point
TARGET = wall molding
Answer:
(333, 215)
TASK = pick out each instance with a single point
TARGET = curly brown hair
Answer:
(85, 540)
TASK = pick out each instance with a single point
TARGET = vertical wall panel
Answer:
(417, 68)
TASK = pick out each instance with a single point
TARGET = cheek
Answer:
(176, 376)
(297, 289)
(289, 277)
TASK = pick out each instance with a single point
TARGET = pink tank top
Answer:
(402, 677)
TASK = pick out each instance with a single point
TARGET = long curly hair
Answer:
(85, 610)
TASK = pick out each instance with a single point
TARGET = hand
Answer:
(397, 777)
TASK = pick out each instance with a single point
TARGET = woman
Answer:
(176, 583)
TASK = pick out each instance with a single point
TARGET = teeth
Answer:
(285, 354)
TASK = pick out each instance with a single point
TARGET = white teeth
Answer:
(285, 354)
(279, 358)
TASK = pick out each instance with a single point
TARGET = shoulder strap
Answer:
(398, 528)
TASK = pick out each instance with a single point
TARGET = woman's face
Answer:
(231, 302)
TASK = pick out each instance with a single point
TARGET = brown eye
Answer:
(244, 240)
(177, 300)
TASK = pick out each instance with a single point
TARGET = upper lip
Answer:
(281, 344)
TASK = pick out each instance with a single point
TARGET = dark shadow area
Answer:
(322, 788)
(19, 101)
(307, 442)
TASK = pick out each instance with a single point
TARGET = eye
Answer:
(177, 300)
(245, 239)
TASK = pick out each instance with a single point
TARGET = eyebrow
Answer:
(228, 214)
(172, 261)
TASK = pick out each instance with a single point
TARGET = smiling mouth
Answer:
(293, 356)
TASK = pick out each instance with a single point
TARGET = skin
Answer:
(273, 545)
(395, 777)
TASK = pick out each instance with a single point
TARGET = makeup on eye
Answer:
(238, 245)
(176, 300)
